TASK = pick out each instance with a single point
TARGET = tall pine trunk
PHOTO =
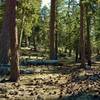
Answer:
(56, 30)
(88, 43)
(82, 38)
(34, 43)
(22, 30)
(5, 39)
(76, 54)
(52, 30)
(26, 41)
(69, 33)
(14, 76)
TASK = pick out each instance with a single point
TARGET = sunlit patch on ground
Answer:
(75, 84)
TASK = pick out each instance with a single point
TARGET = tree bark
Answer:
(14, 75)
(56, 31)
(52, 29)
(76, 54)
(69, 33)
(22, 31)
(26, 41)
(82, 38)
(5, 39)
(98, 51)
(34, 43)
(88, 43)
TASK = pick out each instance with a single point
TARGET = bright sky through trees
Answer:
(45, 2)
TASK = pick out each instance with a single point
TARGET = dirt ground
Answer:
(62, 83)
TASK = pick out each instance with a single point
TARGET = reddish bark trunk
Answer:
(14, 76)
(82, 39)
(52, 29)
(4, 39)
(88, 43)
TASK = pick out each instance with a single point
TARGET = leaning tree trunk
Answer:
(4, 39)
(52, 29)
(13, 41)
(82, 38)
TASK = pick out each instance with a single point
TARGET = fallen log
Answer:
(40, 62)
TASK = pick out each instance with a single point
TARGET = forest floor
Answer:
(55, 83)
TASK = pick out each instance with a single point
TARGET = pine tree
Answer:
(52, 29)
(5, 39)
(82, 37)
(14, 76)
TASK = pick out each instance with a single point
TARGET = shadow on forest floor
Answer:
(54, 83)
(81, 96)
